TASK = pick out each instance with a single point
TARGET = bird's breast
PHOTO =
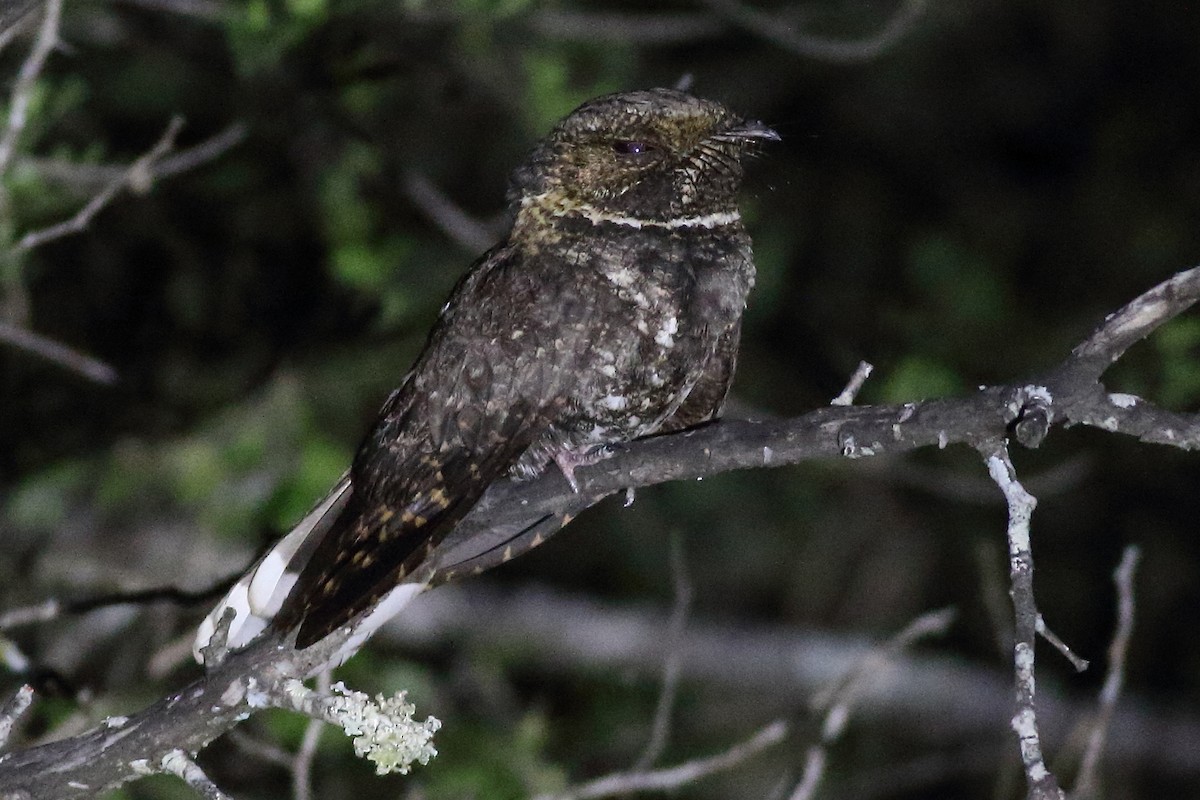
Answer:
(649, 309)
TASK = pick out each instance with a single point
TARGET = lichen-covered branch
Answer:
(1040, 780)
(514, 517)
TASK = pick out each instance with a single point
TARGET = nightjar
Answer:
(610, 310)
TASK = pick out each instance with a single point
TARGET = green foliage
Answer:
(918, 377)
(261, 32)
(957, 284)
(363, 256)
(480, 761)
(553, 87)
(44, 501)
(1178, 345)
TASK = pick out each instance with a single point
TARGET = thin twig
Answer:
(178, 763)
(861, 373)
(201, 153)
(58, 353)
(12, 20)
(770, 28)
(660, 729)
(22, 92)
(54, 608)
(12, 657)
(460, 226)
(625, 28)
(139, 177)
(1041, 782)
(263, 751)
(30, 615)
(1088, 783)
(301, 765)
(85, 179)
(1080, 664)
(12, 711)
(674, 777)
(198, 9)
(839, 698)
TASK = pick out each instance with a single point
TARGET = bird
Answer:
(610, 310)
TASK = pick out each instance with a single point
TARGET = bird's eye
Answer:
(632, 147)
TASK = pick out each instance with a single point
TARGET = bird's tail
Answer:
(258, 595)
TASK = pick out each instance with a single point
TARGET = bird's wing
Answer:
(476, 399)
(707, 397)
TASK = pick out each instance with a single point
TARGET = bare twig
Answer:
(674, 777)
(771, 29)
(262, 750)
(625, 28)
(201, 153)
(301, 765)
(139, 177)
(464, 229)
(1041, 782)
(672, 665)
(54, 607)
(30, 615)
(85, 179)
(947, 702)
(861, 373)
(22, 92)
(58, 353)
(838, 700)
(178, 763)
(12, 711)
(198, 9)
(13, 657)
(13, 15)
(1088, 783)
(1080, 664)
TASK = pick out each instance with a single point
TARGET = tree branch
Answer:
(1088, 783)
(31, 69)
(774, 30)
(139, 177)
(1042, 783)
(514, 517)
(674, 777)
(57, 353)
(838, 700)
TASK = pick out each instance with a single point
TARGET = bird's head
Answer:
(653, 156)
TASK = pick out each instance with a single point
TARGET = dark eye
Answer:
(632, 147)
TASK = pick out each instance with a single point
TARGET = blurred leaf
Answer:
(320, 464)
(916, 378)
(260, 33)
(964, 287)
(487, 763)
(44, 501)
(548, 91)
(1178, 343)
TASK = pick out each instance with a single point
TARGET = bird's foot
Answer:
(569, 460)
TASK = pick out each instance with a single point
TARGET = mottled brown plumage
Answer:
(610, 311)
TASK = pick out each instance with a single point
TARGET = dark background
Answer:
(960, 209)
